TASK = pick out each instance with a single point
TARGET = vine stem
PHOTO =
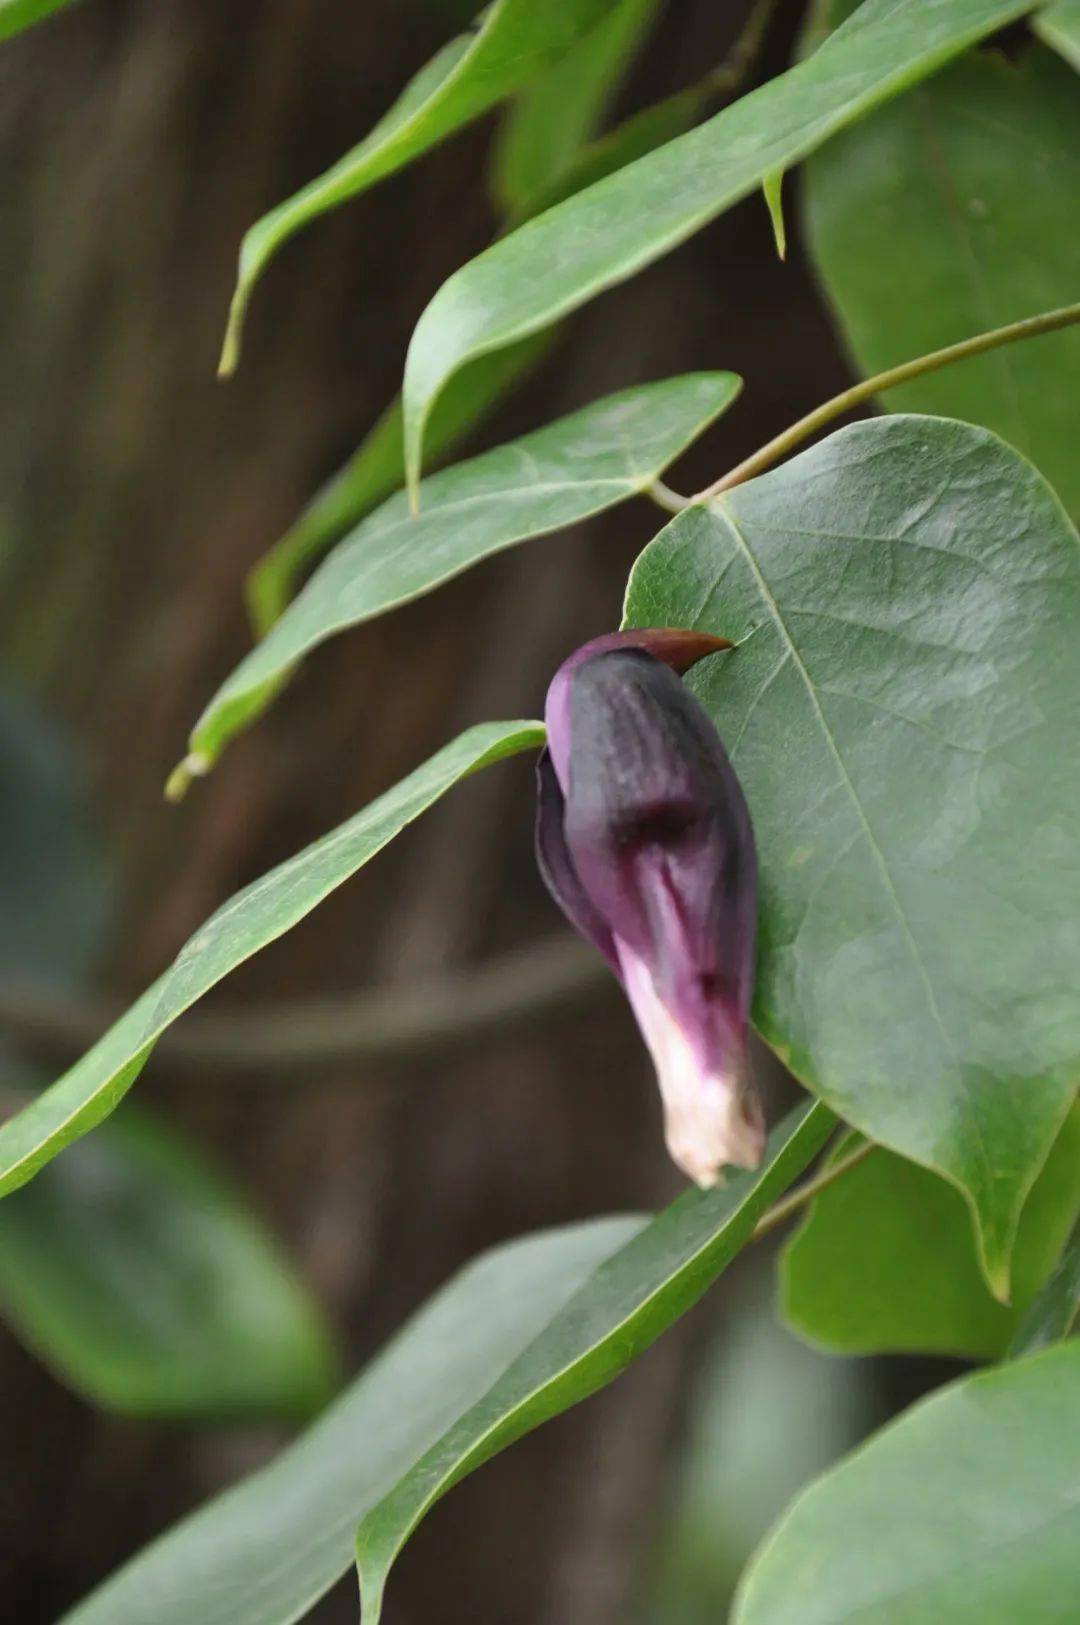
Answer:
(797, 1199)
(1031, 327)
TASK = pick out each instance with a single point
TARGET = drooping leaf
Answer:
(1052, 1315)
(901, 713)
(885, 1262)
(600, 237)
(133, 1270)
(553, 118)
(510, 42)
(578, 466)
(1059, 26)
(521, 1335)
(952, 211)
(15, 15)
(966, 1510)
(256, 916)
(773, 188)
(377, 469)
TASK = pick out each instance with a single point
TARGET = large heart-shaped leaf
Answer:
(1059, 26)
(256, 916)
(901, 711)
(886, 1262)
(520, 1336)
(135, 1272)
(511, 42)
(579, 466)
(926, 227)
(572, 252)
(966, 1511)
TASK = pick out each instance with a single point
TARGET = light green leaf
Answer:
(1059, 26)
(552, 119)
(1052, 1316)
(953, 211)
(521, 1335)
(885, 1263)
(901, 711)
(965, 1511)
(251, 920)
(773, 188)
(602, 236)
(377, 469)
(510, 42)
(578, 466)
(15, 15)
(133, 1270)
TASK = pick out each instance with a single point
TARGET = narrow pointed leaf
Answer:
(135, 1272)
(600, 237)
(15, 15)
(554, 117)
(634, 1296)
(518, 1337)
(264, 1552)
(578, 466)
(1052, 1315)
(511, 42)
(1059, 26)
(885, 1262)
(901, 712)
(924, 230)
(966, 1510)
(251, 920)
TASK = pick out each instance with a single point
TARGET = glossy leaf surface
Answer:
(966, 1510)
(901, 714)
(885, 1261)
(133, 1271)
(510, 42)
(251, 920)
(579, 466)
(519, 1336)
(952, 211)
(602, 236)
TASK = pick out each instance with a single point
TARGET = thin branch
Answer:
(665, 497)
(384, 1025)
(786, 442)
(797, 1199)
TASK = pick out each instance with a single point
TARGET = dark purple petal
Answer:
(557, 867)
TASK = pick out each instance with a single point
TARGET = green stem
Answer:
(786, 442)
(798, 1199)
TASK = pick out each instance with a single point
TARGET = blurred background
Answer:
(136, 144)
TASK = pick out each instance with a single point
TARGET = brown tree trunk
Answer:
(136, 142)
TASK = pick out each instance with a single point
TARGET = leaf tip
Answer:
(772, 187)
(234, 328)
(194, 766)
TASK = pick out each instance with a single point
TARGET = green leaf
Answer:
(885, 1262)
(15, 15)
(579, 466)
(602, 236)
(256, 916)
(133, 1270)
(966, 1510)
(552, 119)
(1052, 1316)
(521, 1335)
(773, 186)
(953, 211)
(509, 44)
(377, 469)
(902, 714)
(1059, 26)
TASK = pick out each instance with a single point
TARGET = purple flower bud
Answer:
(644, 840)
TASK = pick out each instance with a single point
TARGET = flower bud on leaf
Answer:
(644, 839)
